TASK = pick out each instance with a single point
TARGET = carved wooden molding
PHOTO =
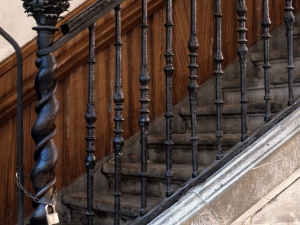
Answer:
(68, 61)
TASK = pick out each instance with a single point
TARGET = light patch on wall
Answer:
(15, 22)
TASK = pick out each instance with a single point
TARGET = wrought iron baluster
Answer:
(91, 117)
(218, 73)
(43, 178)
(20, 176)
(144, 119)
(289, 19)
(169, 115)
(242, 52)
(266, 23)
(118, 99)
(193, 86)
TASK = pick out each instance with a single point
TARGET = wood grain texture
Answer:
(72, 83)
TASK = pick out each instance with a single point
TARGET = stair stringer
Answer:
(243, 181)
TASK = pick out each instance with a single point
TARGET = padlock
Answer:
(52, 218)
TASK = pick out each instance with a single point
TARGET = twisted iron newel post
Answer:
(46, 13)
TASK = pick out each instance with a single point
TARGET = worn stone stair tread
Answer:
(251, 82)
(184, 139)
(274, 55)
(279, 80)
(104, 201)
(231, 109)
(234, 83)
(181, 172)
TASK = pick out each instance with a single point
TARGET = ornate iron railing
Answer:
(46, 14)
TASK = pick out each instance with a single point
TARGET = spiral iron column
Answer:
(144, 119)
(193, 86)
(242, 52)
(218, 73)
(91, 117)
(169, 115)
(289, 19)
(46, 14)
(266, 23)
(118, 99)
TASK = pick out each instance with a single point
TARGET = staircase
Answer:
(206, 127)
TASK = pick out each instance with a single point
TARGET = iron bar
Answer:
(289, 19)
(266, 23)
(118, 99)
(169, 69)
(20, 175)
(42, 176)
(218, 73)
(242, 52)
(193, 86)
(144, 119)
(91, 117)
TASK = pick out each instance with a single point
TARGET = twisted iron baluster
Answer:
(118, 99)
(242, 52)
(144, 120)
(193, 86)
(91, 117)
(289, 19)
(46, 14)
(266, 23)
(218, 73)
(169, 115)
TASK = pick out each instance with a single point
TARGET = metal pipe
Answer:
(20, 175)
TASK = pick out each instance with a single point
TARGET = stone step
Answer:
(103, 207)
(231, 118)
(181, 151)
(255, 82)
(156, 180)
(255, 79)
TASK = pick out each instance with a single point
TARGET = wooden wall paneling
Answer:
(7, 172)
(103, 101)
(132, 85)
(181, 36)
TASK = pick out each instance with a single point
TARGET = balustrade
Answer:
(46, 154)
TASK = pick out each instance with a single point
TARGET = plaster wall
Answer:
(16, 23)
